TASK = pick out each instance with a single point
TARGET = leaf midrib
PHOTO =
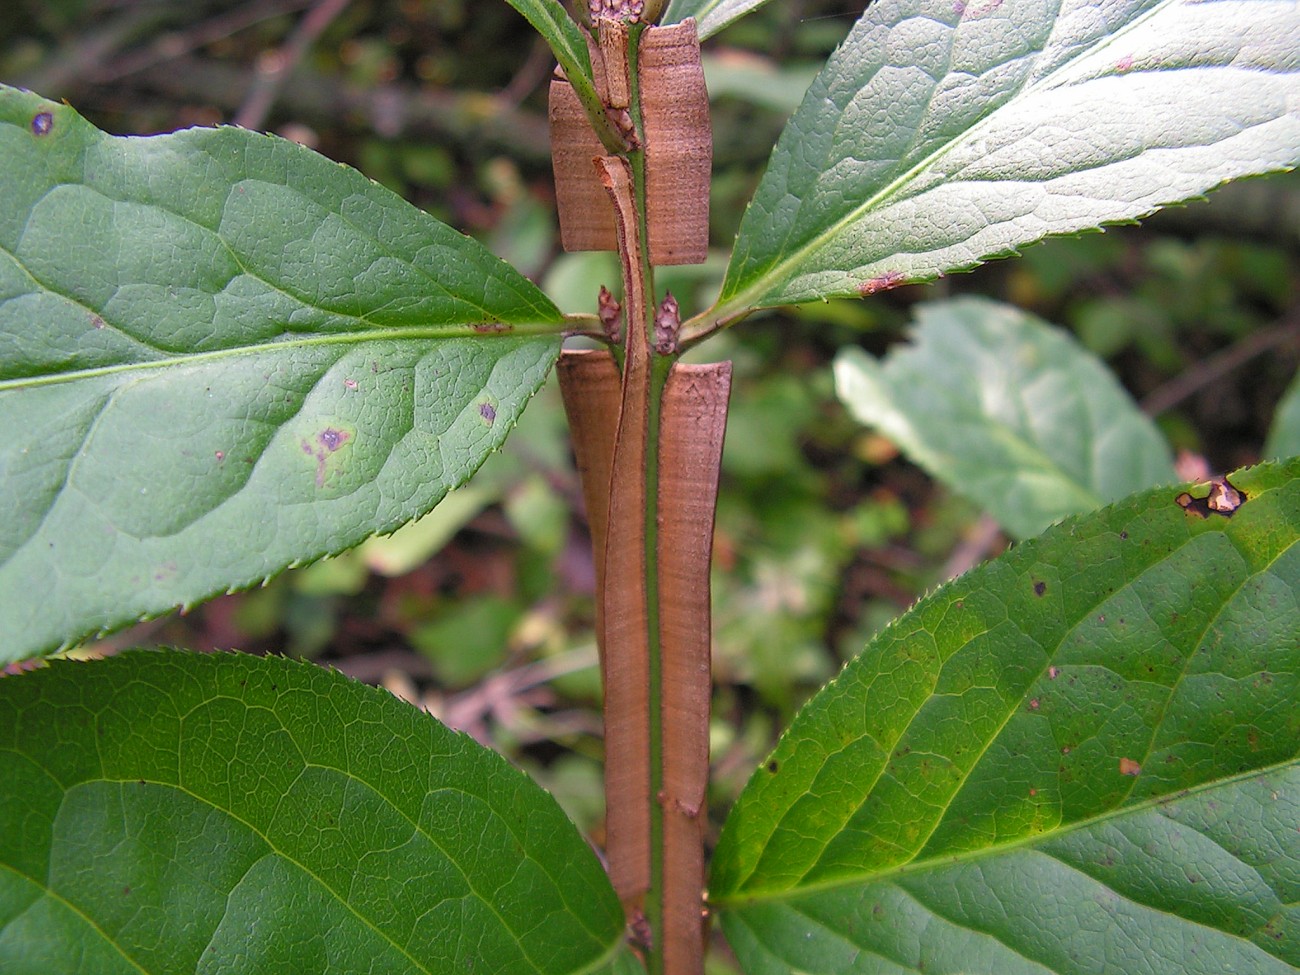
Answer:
(1119, 809)
(779, 270)
(426, 333)
(743, 898)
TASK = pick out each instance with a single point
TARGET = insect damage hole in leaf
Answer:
(1222, 499)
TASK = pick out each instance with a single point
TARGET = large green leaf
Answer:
(1008, 411)
(1078, 758)
(170, 812)
(943, 134)
(222, 354)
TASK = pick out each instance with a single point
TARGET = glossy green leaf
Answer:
(1284, 434)
(1009, 412)
(1081, 757)
(710, 15)
(944, 134)
(222, 354)
(166, 812)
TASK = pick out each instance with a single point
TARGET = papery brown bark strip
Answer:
(586, 216)
(592, 390)
(613, 39)
(692, 420)
(678, 144)
(626, 610)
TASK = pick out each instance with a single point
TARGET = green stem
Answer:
(659, 367)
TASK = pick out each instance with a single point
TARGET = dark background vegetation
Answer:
(483, 611)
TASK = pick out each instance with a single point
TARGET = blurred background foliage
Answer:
(482, 611)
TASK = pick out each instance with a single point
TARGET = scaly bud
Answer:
(668, 322)
(610, 313)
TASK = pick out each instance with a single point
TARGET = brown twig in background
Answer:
(176, 43)
(275, 70)
(390, 111)
(71, 62)
(1214, 367)
(982, 539)
(531, 74)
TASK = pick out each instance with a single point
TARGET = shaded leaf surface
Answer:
(943, 134)
(222, 354)
(1284, 435)
(1009, 412)
(1081, 757)
(169, 812)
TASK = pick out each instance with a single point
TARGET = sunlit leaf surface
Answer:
(943, 134)
(222, 354)
(1079, 758)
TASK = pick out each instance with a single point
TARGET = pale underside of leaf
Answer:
(224, 813)
(1010, 413)
(1083, 757)
(944, 134)
(222, 355)
(710, 15)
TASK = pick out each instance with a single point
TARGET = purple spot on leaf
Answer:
(42, 123)
(332, 439)
(487, 411)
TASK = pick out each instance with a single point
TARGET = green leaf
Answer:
(944, 134)
(168, 812)
(1009, 412)
(710, 15)
(1081, 757)
(222, 354)
(1284, 435)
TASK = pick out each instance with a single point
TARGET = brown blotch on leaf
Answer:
(492, 328)
(890, 279)
(1129, 767)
